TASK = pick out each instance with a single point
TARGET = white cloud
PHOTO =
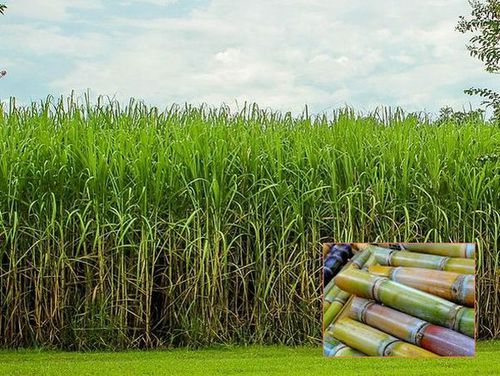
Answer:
(50, 10)
(283, 54)
(52, 41)
(404, 59)
(152, 2)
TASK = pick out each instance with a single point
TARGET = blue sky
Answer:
(280, 54)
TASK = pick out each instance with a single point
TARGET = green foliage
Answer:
(484, 44)
(252, 360)
(492, 99)
(485, 21)
(124, 226)
(448, 115)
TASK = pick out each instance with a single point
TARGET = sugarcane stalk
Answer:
(334, 292)
(371, 259)
(462, 250)
(456, 287)
(407, 299)
(359, 246)
(437, 339)
(396, 246)
(335, 298)
(334, 307)
(370, 262)
(374, 342)
(337, 257)
(328, 287)
(326, 305)
(333, 347)
(392, 257)
(326, 248)
(359, 259)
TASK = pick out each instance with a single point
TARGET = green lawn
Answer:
(239, 360)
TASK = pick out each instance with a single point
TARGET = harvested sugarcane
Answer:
(333, 347)
(392, 257)
(360, 246)
(335, 260)
(326, 248)
(456, 287)
(407, 299)
(373, 341)
(356, 262)
(335, 298)
(334, 307)
(396, 246)
(371, 261)
(437, 339)
(359, 259)
(328, 287)
(424, 295)
(340, 350)
(334, 292)
(367, 247)
(461, 250)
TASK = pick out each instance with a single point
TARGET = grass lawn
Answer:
(238, 360)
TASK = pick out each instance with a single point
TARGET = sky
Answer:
(281, 54)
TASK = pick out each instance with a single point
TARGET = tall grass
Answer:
(132, 227)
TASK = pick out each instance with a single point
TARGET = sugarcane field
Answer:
(399, 299)
(234, 187)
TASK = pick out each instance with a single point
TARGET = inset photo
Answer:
(399, 299)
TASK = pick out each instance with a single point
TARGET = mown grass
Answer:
(276, 360)
(125, 227)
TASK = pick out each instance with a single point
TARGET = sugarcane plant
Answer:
(125, 226)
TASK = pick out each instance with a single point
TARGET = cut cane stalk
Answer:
(462, 250)
(456, 287)
(437, 339)
(408, 299)
(374, 342)
(392, 257)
